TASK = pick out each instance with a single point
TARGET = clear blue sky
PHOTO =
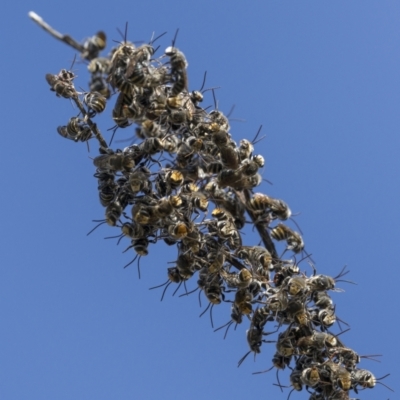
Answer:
(323, 80)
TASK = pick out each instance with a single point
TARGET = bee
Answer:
(179, 117)
(93, 45)
(173, 277)
(148, 129)
(125, 82)
(120, 58)
(235, 180)
(285, 272)
(166, 206)
(240, 280)
(243, 299)
(250, 167)
(284, 345)
(310, 376)
(151, 146)
(216, 260)
(245, 149)
(100, 65)
(325, 282)
(228, 201)
(114, 161)
(322, 300)
(296, 311)
(278, 301)
(293, 239)
(119, 113)
(219, 119)
(171, 144)
(324, 318)
(254, 339)
(75, 130)
(259, 258)
(140, 245)
(194, 241)
(365, 379)
(226, 228)
(212, 286)
(96, 103)
(113, 213)
(138, 180)
(338, 375)
(167, 181)
(187, 149)
(316, 341)
(178, 64)
(180, 83)
(99, 84)
(107, 187)
(295, 380)
(145, 213)
(178, 230)
(296, 285)
(261, 203)
(62, 84)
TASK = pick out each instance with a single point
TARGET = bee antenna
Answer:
(231, 111)
(187, 293)
(138, 265)
(158, 37)
(341, 273)
(313, 267)
(298, 227)
(127, 265)
(346, 330)
(114, 129)
(386, 386)
(227, 329)
(243, 358)
(343, 280)
(215, 100)
(223, 326)
(156, 287)
(209, 304)
(200, 298)
(266, 180)
(372, 355)
(204, 81)
(165, 290)
(290, 393)
(95, 220)
(176, 35)
(113, 237)
(184, 285)
(254, 141)
(277, 378)
(180, 283)
(73, 62)
(263, 372)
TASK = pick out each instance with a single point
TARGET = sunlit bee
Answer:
(113, 213)
(63, 88)
(96, 102)
(293, 239)
(114, 162)
(93, 45)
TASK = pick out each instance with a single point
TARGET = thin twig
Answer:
(64, 38)
(245, 196)
(91, 124)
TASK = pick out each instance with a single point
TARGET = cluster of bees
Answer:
(188, 183)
